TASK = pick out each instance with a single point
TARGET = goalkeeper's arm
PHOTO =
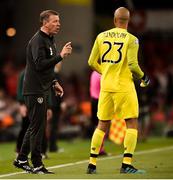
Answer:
(139, 74)
(132, 57)
(94, 61)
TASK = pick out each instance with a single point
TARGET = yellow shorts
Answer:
(122, 104)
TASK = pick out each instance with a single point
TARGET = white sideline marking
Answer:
(86, 161)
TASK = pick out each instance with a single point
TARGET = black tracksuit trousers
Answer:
(37, 113)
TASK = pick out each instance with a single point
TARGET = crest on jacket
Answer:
(40, 100)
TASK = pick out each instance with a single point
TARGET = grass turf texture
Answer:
(158, 164)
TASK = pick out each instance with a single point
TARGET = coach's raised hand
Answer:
(66, 50)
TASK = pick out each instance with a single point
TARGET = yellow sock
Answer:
(130, 141)
(96, 143)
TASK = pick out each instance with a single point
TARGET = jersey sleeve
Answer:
(132, 57)
(94, 57)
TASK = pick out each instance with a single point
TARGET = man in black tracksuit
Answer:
(39, 78)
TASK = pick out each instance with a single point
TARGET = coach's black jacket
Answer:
(41, 57)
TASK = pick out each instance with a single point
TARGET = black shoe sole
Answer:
(91, 171)
(40, 172)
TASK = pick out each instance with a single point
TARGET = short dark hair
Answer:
(44, 15)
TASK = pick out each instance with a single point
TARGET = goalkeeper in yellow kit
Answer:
(114, 56)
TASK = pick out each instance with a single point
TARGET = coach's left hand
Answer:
(58, 89)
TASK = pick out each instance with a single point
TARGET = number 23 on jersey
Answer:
(110, 51)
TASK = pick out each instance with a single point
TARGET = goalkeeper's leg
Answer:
(96, 143)
(130, 141)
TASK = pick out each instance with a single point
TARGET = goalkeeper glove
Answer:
(145, 81)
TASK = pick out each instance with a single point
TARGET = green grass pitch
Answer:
(155, 156)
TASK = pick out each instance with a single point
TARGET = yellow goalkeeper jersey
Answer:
(115, 56)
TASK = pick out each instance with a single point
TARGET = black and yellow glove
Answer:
(145, 81)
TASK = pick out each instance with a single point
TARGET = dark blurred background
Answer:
(81, 21)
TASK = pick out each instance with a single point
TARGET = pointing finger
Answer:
(68, 44)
